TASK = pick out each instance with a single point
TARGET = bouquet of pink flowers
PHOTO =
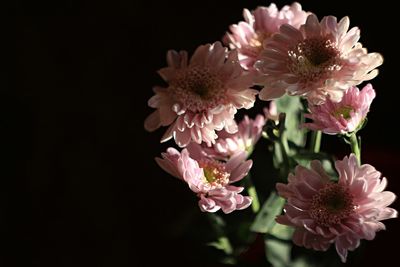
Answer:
(307, 70)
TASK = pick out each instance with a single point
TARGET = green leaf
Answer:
(228, 261)
(302, 262)
(328, 167)
(291, 105)
(282, 231)
(265, 220)
(278, 252)
(222, 244)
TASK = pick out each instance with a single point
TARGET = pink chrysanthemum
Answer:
(249, 132)
(210, 179)
(244, 140)
(319, 59)
(342, 117)
(325, 212)
(260, 24)
(203, 95)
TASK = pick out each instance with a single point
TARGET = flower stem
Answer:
(315, 145)
(355, 147)
(251, 189)
(284, 147)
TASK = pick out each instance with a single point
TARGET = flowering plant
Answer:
(307, 70)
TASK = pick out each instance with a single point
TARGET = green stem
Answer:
(355, 148)
(315, 141)
(284, 147)
(251, 189)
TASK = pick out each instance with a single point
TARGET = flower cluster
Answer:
(277, 56)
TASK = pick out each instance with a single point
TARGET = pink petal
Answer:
(241, 171)
(271, 93)
(152, 122)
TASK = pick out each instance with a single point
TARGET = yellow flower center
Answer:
(344, 111)
(214, 172)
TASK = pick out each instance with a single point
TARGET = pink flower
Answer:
(210, 179)
(325, 212)
(342, 117)
(319, 59)
(248, 134)
(202, 96)
(244, 140)
(260, 24)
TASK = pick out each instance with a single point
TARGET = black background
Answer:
(85, 189)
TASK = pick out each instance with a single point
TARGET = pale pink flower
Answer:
(344, 212)
(342, 117)
(320, 59)
(210, 179)
(244, 140)
(248, 134)
(202, 96)
(260, 24)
